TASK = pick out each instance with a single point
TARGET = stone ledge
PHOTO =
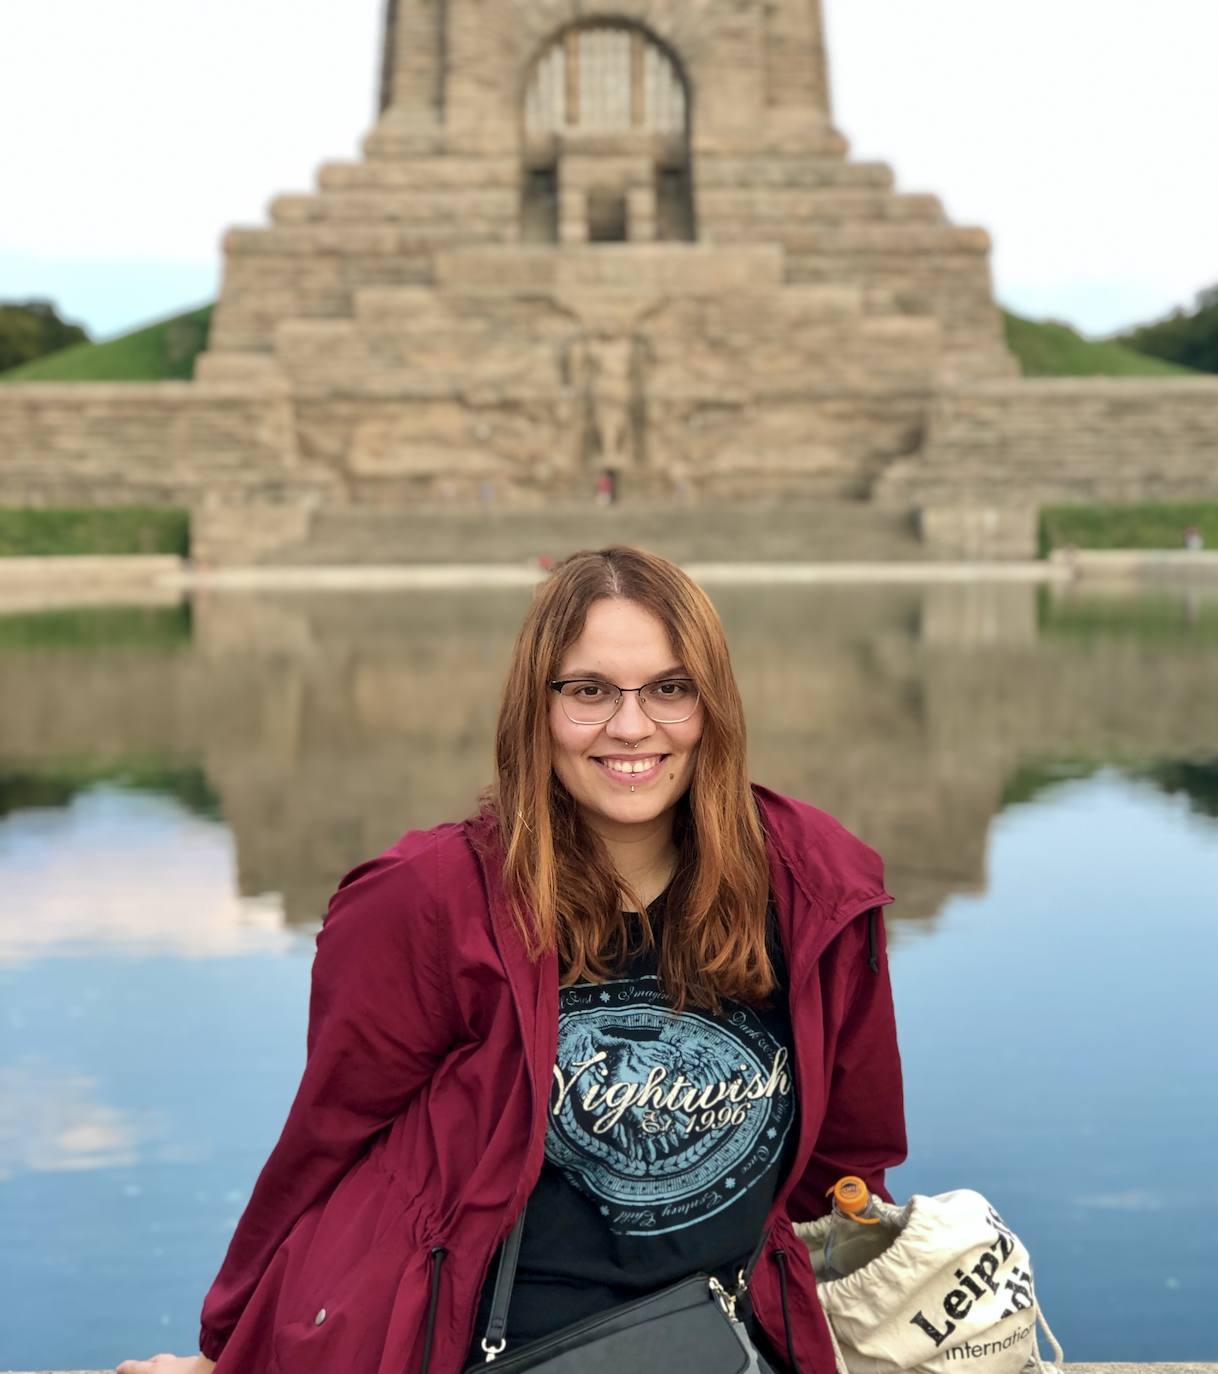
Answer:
(455, 576)
(88, 568)
(1156, 565)
(1068, 1368)
(1087, 388)
(31, 585)
(123, 395)
(694, 268)
(1185, 1368)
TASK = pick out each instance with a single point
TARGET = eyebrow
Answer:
(600, 677)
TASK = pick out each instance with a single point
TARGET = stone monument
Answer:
(618, 244)
(625, 238)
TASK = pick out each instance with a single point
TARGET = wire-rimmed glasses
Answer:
(593, 701)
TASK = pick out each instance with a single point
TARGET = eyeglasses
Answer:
(589, 701)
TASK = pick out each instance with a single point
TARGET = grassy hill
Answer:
(1048, 349)
(168, 349)
(164, 351)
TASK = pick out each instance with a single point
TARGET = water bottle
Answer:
(857, 1231)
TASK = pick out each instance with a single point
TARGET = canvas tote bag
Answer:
(951, 1291)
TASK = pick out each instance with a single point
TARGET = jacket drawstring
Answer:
(780, 1258)
(437, 1258)
(873, 959)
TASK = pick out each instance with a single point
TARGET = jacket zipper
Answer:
(437, 1253)
(521, 1199)
(869, 907)
(780, 1258)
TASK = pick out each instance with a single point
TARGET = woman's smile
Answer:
(630, 769)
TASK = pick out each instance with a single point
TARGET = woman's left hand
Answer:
(167, 1364)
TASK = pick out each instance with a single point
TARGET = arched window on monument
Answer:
(606, 136)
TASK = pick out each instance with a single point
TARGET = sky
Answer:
(1080, 133)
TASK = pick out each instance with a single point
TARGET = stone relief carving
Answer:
(606, 379)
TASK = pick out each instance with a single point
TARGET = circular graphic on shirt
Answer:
(663, 1120)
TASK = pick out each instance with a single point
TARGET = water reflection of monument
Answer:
(326, 726)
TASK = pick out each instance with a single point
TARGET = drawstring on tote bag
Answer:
(954, 1283)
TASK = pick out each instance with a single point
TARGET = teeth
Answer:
(629, 765)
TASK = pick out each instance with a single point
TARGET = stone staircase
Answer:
(824, 531)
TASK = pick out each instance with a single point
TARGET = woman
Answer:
(638, 994)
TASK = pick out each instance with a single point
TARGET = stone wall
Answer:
(997, 451)
(156, 441)
(687, 368)
(226, 452)
(975, 531)
(1063, 440)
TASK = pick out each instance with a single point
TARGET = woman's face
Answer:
(628, 646)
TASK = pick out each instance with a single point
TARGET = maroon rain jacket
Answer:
(418, 1129)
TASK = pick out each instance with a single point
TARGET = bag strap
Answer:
(495, 1343)
(839, 1358)
(1041, 1363)
(747, 1272)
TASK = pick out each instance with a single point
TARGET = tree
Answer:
(1183, 337)
(32, 329)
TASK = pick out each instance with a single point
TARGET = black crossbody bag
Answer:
(691, 1324)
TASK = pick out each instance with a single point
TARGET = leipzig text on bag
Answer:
(953, 1285)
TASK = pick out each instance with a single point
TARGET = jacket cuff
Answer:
(211, 1343)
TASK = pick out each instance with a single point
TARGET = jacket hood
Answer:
(836, 873)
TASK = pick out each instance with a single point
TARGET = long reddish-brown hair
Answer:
(564, 892)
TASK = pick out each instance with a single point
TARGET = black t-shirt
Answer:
(668, 1138)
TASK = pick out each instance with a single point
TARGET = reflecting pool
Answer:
(182, 786)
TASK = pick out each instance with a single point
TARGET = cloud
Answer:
(50, 1122)
(1132, 1200)
(183, 901)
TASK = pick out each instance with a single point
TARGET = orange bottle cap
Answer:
(851, 1194)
